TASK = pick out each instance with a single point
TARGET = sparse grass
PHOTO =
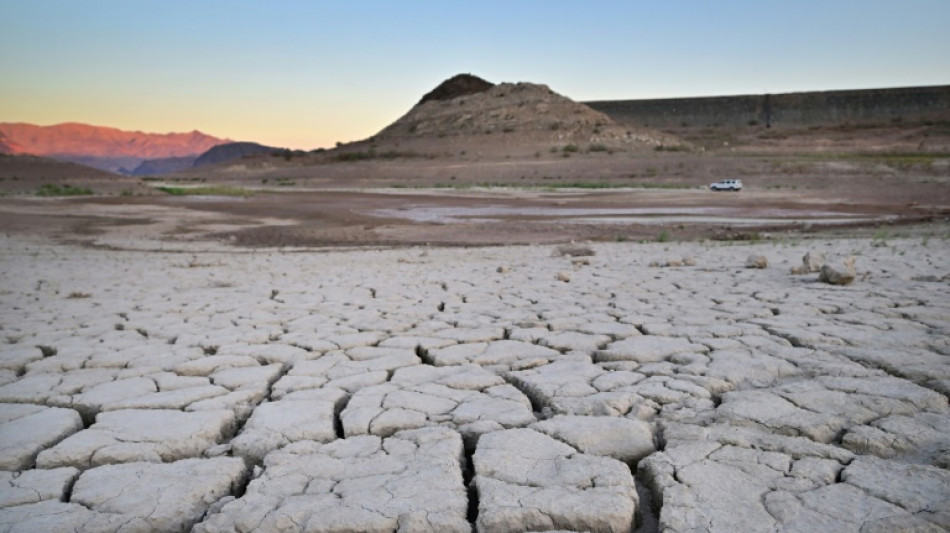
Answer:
(212, 190)
(664, 236)
(370, 154)
(879, 239)
(597, 147)
(52, 189)
(671, 148)
(885, 157)
(661, 186)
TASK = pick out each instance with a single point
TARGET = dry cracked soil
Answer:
(624, 387)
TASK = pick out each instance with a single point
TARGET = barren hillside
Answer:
(514, 117)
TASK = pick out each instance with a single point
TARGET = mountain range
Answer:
(101, 147)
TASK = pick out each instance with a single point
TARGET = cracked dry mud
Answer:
(433, 390)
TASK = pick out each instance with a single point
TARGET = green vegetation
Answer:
(570, 148)
(52, 189)
(673, 148)
(879, 239)
(212, 190)
(664, 236)
(598, 148)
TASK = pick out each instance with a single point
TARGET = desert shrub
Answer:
(597, 148)
(570, 148)
(213, 190)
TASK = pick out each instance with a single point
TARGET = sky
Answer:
(306, 74)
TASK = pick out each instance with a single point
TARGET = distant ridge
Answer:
(101, 147)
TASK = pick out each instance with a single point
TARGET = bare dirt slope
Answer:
(29, 175)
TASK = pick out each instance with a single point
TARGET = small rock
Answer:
(812, 261)
(842, 275)
(573, 250)
(756, 261)
(502, 269)
(579, 262)
(674, 262)
(564, 276)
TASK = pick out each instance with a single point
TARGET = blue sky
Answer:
(307, 74)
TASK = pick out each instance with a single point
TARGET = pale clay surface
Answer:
(226, 389)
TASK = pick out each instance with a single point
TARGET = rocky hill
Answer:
(101, 147)
(226, 152)
(468, 110)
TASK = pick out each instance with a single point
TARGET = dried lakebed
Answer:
(494, 389)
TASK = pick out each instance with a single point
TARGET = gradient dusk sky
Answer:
(307, 74)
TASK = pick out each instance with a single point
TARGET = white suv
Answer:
(727, 185)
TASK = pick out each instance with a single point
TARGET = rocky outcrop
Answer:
(457, 86)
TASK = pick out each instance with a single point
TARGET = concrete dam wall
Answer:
(910, 104)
